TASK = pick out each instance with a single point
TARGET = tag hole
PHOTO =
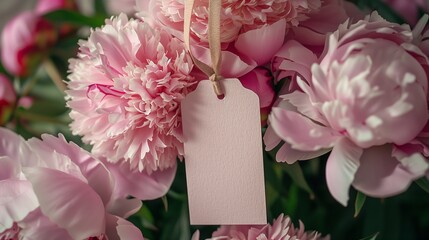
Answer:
(221, 96)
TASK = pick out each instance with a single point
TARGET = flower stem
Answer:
(53, 73)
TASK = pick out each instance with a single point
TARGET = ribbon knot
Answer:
(215, 79)
(214, 42)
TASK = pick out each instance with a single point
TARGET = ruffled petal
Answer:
(16, 202)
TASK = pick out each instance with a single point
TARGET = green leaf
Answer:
(165, 203)
(360, 200)
(423, 183)
(74, 18)
(176, 222)
(295, 172)
(372, 237)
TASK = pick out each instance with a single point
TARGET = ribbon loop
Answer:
(213, 73)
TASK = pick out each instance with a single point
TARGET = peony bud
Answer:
(7, 99)
(45, 6)
(24, 41)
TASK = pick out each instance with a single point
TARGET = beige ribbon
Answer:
(214, 42)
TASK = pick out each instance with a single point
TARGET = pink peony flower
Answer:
(7, 99)
(52, 189)
(45, 6)
(236, 16)
(245, 27)
(359, 105)
(281, 229)
(24, 41)
(125, 91)
(409, 10)
(260, 81)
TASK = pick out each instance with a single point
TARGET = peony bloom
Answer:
(45, 6)
(50, 186)
(359, 105)
(281, 229)
(245, 27)
(125, 91)
(7, 99)
(260, 82)
(236, 16)
(24, 42)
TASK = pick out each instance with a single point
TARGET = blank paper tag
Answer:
(223, 155)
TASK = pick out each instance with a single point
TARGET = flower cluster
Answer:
(56, 190)
(330, 80)
(353, 101)
(281, 229)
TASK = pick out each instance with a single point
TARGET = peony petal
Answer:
(68, 202)
(37, 226)
(9, 168)
(289, 155)
(124, 207)
(270, 36)
(341, 167)
(13, 145)
(271, 139)
(140, 184)
(196, 235)
(119, 228)
(301, 132)
(381, 175)
(17, 200)
(232, 65)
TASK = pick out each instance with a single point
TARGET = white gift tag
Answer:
(223, 155)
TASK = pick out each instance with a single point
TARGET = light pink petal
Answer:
(141, 185)
(120, 229)
(16, 202)
(304, 106)
(381, 175)
(289, 155)
(68, 202)
(296, 58)
(95, 173)
(232, 65)
(301, 132)
(271, 37)
(13, 145)
(9, 168)
(37, 226)
(271, 139)
(124, 207)
(341, 167)
(196, 235)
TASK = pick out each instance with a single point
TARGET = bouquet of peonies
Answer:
(343, 95)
